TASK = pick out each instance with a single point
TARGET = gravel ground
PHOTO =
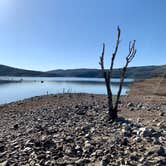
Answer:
(72, 129)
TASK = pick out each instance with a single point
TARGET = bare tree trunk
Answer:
(108, 75)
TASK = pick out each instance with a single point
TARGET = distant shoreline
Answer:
(141, 72)
(9, 81)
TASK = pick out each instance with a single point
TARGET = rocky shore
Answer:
(73, 130)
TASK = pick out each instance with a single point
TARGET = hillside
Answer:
(133, 72)
(11, 71)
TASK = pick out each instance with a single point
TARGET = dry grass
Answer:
(153, 86)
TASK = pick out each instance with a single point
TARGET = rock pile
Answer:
(76, 134)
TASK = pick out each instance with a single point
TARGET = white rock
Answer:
(5, 163)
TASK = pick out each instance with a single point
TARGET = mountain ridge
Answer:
(140, 72)
(13, 71)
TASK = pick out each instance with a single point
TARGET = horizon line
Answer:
(76, 68)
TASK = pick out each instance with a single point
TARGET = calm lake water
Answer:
(34, 86)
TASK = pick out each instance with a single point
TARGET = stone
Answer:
(69, 139)
(2, 148)
(156, 141)
(144, 132)
(87, 144)
(82, 162)
(134, 156)
(92, 129)
(27, 149)
(81, 112)
(15, 127)
(131, 109)
(130, 105)
(98, 153)
(105, 160)
(69, 151)
(138, 120)
(49, 144)
(41, 156)
(5, 163)
(140, 105)
(157, 149)
(124, 142)
(160, 160)
(163, 127)
(137, 139)
(32, 162)
(156, 134)
(141, 159)
(161, 114)
(159, 124)
(126, 132)
(47, 163)
(103, 163)
(78, 150)
(3, 154)
(87, 135)
(29, 143)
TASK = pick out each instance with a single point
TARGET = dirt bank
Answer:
(153, 86)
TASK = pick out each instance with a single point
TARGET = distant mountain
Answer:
(11, 71)
(133, 72)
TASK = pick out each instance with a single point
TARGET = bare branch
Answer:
(102, 58)
(116, 49)
(129, 58)
(129, 46)
(132, 51)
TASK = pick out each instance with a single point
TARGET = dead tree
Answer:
(107, 74)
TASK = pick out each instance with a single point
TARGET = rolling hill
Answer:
(133, 72)
(11, 71)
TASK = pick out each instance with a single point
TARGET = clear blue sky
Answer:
(53, 34)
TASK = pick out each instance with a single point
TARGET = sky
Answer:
(66, 34)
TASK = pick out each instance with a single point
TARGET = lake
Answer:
(18, 88)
